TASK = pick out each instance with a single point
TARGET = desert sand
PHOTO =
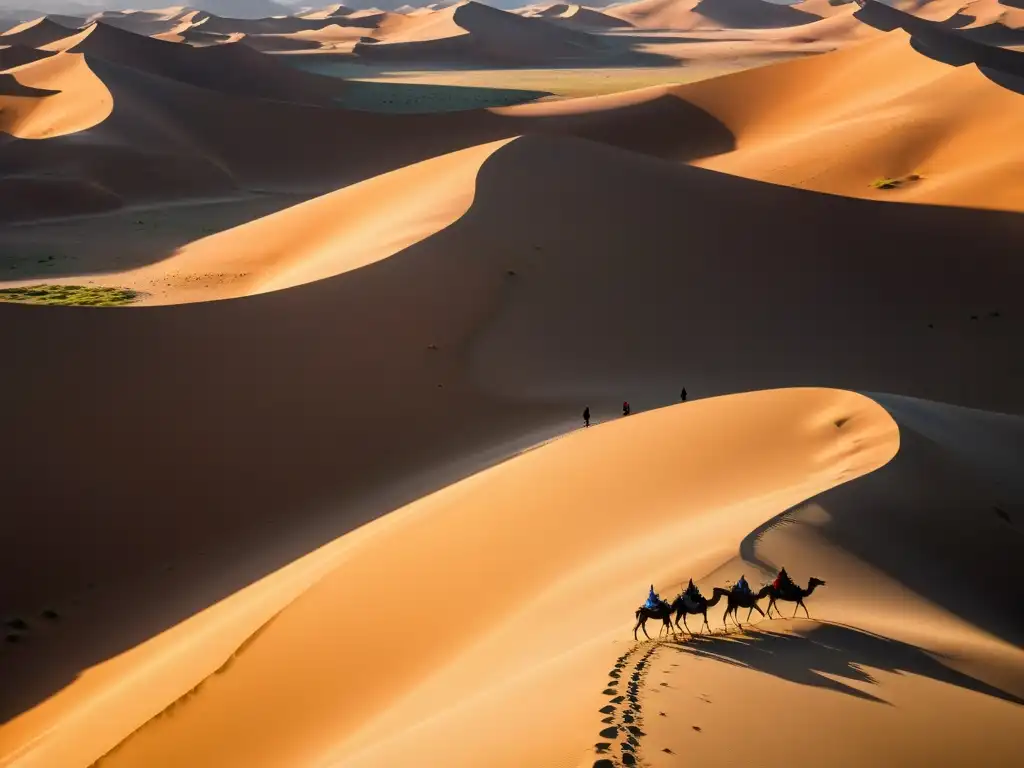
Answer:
(325, 498)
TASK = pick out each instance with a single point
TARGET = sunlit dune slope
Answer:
(233, 69)
(578, 15)
(16, 55)
(538, 543)
(189, 142)
(35, 34)
(709, 14)
(476, 31)
(880, 110)
(62, 96)
(393, 371)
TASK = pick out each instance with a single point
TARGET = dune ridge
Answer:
(327, 500)
(946, 115)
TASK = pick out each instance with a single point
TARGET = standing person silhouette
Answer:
(682, 395)
(586, 416)
(625, 408)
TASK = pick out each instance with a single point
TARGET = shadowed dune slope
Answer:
(35, 34)
(271, 26)
(519, 561)
(165, 139)
(579, 16)
(16, 55)
(284, 428)
(709, 14)
(233, 69)
(480, 32)
(58, 95)
(895, 111)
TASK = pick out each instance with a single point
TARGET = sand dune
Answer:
(16, 55)
(202, 546)
(35, 34)
(578, 15)
(909, 115)
(274, 26)
(328, 12)
(62, 96)
(472, 31)
(234, 69)
(609, 293)
(709, 14)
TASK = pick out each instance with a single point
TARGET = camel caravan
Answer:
(740, 595)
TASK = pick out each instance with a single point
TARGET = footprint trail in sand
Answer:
(624, 713)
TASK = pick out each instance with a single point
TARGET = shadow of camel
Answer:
(832, 649)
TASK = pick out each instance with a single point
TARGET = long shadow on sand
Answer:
(828, 651)
(938, 41)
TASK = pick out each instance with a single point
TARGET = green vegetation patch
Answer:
(415, 98)
(69, 295)
(887, 183)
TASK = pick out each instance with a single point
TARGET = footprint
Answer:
(610, 733)
(607, 709)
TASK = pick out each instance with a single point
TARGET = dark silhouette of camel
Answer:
(663, 613)
(749, 600)
(792, 594)
(685, 604)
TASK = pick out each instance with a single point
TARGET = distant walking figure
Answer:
(586, 416)
(682, 395)
(625, 408)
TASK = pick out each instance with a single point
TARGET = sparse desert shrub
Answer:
(885, 183)
(69, 295)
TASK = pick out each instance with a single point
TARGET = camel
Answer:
(683, 605)
(663, 613)
(749, 600)
(792, 595)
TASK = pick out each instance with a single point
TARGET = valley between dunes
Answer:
(325, 496)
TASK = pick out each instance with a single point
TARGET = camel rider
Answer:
(653, 601)
(693, 592)
(782, 581)
(742, 586)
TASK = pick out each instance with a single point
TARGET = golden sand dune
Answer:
(61, 95)
(549, 568)
(578, 15)
(35, 34)
(16, 55)
(709, 14)
(273, 26)
(234, 69)
(328, 12)
(908, 116)
(473, 31)
(146, 22)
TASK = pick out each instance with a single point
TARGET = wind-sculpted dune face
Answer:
(579, 16)
(36, 34)
(474, 31)
(233, 69)
(709, 14)
(949, 143)
(445, 310)
(56, 95)
(17, 55)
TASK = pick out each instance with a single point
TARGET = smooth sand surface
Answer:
(58, 95)
(910, 115)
